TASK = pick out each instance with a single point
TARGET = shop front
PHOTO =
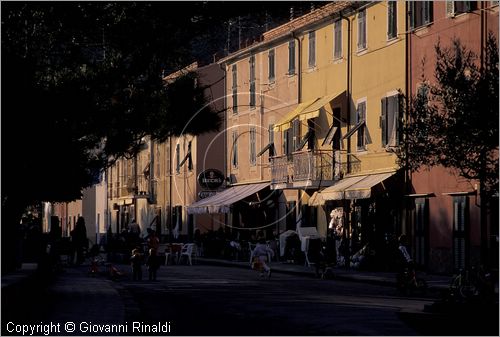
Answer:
(365, 217)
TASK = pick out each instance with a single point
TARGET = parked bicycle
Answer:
(473, 284)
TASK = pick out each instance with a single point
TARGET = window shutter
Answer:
(450, 8)
(312, 49)
(399, 119)
(338, 39)
(291, 57)
(383, 121)
(271, 64)
(412, 14)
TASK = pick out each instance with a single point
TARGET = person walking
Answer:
(136, 262)
(260, 255)
(404, 263)
(80, 241)
(153, 264)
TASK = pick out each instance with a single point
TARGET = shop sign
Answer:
(211, 179)
(206, 194)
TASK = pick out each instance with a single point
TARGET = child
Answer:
(153, 264)
(136, 262)
(261, 253)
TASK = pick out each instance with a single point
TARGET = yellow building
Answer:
(347, 127)
(156, 186)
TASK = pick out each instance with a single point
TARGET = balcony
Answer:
(145, 189)
(303, 169)
(311, 169)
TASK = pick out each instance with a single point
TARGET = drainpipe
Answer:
(224, 171)
(348, 84)
(347, 203)
(408, 92)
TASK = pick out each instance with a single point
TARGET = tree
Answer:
(455, 122)
(82, 85)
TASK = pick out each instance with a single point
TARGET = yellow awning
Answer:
(312, 110)
(285, 122)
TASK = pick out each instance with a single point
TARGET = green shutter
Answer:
(383, 121)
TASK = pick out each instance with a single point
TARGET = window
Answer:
(308, 137)
(177, 158)
(189, 157)
(420, 13)
(177, 217)
(361, 118)
(460, 231)
(337, 43)
(423, 93)
(234, 147)
(271, 65)
(390, 121)
(252, 81)
(291, 57)
(235, 89)
(271, 140)
(287, 142)
(312, 49)
(168, 154)
(252, 146)
(362, 30)
(295, 134)
(392, 30)
(457, 7)
(421, 225)
(157, 160)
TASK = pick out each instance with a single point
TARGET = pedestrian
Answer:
(153, 264)
(404, 262)
(260, 256)
(136, 262)
(80, 241)
(153, 240)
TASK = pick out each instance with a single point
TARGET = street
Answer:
(206, 300)
(212, 300)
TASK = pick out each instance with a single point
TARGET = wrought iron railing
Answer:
(303, 166)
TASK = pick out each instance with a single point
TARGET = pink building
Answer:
(446, 220)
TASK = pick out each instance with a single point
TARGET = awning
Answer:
(285, 124)
(336, 191)
(363, 188)
(221, 202)
(312, 110)
(316, 199)
(358, 187)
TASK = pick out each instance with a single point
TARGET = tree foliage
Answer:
(82, 84)
(454, 122)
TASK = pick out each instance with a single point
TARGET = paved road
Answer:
(208, 300)
(215, 300)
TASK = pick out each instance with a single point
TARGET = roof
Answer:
(298, 24)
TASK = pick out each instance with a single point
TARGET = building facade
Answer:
(445, 207)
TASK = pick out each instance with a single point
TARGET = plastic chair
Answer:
(189, 251)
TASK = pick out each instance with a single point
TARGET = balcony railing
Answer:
(302, 166)
(145, 187)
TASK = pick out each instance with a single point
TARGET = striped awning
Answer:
(357, 187)
(222, 201)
